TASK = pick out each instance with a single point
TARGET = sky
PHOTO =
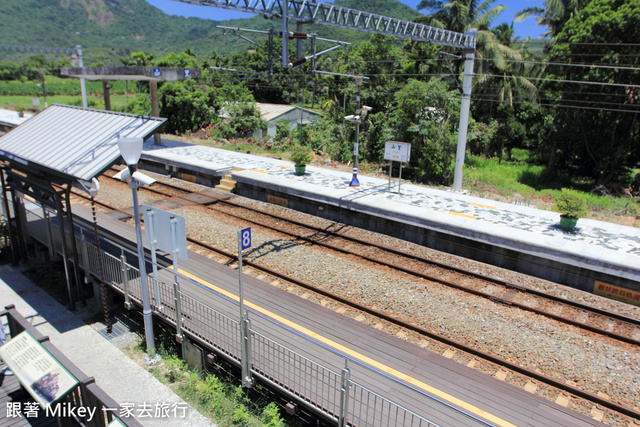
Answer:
(526, 28)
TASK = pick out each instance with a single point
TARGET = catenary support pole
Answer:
(285, 33)
(464, 114)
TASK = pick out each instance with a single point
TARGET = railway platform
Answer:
(598, 257)
(303, 347)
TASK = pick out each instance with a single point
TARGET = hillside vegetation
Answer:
(109, 30)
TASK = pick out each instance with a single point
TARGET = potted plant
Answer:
(301, 156)
(20, 110)
(571, 206)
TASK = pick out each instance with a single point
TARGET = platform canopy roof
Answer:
(72, 145)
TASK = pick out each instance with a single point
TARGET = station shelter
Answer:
(42, 160)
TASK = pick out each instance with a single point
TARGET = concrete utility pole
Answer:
(83, 86)
(464, 113)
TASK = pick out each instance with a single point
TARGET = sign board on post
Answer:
(399, 152)
(46, 379)
(168, 232)
(244, 242)
(161, 230)
(245, 238)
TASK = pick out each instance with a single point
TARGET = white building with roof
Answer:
(273, 113)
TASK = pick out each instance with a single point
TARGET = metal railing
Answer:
(87, 394)
(331, 392)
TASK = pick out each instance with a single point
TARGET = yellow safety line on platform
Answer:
(259, 170)
(483, 206)
(464, 215)
(285, 166)
(365, 359)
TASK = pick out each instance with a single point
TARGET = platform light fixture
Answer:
(131, 150)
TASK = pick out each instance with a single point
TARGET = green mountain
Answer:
(109, 30)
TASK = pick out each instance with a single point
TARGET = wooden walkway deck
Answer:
(13, 396)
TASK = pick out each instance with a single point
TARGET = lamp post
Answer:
(131, 149)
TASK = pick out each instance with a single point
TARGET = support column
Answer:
(299, 42)
(72, 246)
(464, 114)
(285, 33)
(155, 107)
(83, 86)
(107, 96)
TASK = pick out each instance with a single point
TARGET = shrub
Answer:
(570, 204)
(301, 156)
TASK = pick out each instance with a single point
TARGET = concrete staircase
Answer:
(228, 184)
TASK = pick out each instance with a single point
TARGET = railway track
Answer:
(599, 321)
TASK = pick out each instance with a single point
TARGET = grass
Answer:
(217, 397)
(509, 180)
(11, 102)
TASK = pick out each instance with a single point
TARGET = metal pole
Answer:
(390, 169)
(83, 86)
(464, 115)
(146, 308)
(44, 89)
(5, 201)
(50, 240)
(285, 33)
(174, 242)
(154, 261)
(155, 108)
(354, 180)
(344, 394)
(124, 270)
(72, 245)
(245, 325)
(241, 288)
(299, 42)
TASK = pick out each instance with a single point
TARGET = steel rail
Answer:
(411, 327)
(418, 274)
(505, 284)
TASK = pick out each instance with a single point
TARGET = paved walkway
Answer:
(124, 380)
(624, 239)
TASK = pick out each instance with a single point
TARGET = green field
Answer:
(12, 102)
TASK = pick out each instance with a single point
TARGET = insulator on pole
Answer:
(297, 62)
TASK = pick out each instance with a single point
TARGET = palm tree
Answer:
(555, 14)
(460, 15)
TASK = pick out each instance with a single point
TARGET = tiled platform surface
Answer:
(607, 247)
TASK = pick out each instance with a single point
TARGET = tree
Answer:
(494, 54)
(600, 137)
(187, 106)
(554, 15)
(425, 116)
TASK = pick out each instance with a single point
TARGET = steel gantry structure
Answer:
(312, 12)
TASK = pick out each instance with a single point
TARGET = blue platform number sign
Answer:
(187, 73)
(245, 236)
(156, 72)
